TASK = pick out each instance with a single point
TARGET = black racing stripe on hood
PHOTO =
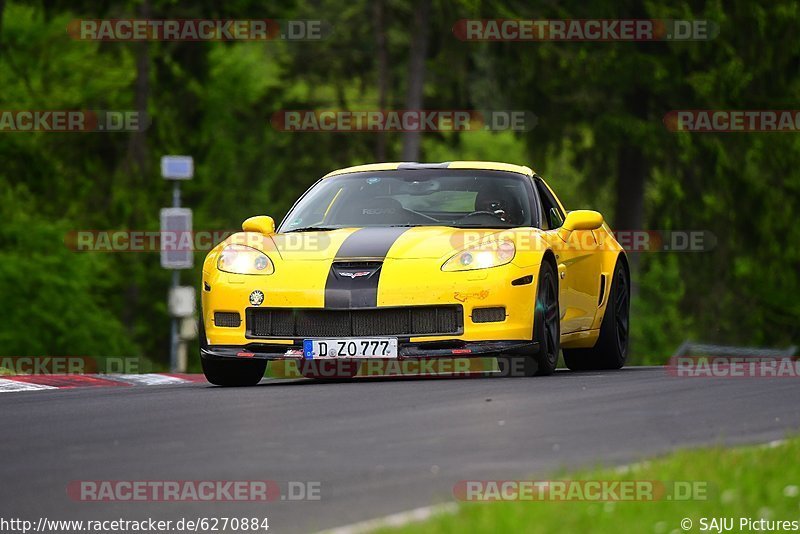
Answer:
(361, 253)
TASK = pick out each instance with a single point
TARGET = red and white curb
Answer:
(16, 383)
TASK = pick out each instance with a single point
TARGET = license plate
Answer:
(333, 349)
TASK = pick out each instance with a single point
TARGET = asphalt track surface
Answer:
(377, 446)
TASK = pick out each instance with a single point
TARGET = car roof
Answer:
(477, 165)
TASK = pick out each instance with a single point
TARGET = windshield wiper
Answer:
(313, 229)
(483, 226)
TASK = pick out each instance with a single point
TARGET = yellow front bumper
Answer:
(413, 282)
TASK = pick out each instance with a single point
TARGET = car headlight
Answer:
(482, 256)
(239, 259)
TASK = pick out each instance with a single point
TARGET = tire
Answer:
(611, 349)
(230, 372)
(546, 330)
(234, 372)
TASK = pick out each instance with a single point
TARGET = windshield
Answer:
(460, 198)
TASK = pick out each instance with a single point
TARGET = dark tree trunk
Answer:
(137, 164)
(629, 207)
(137, 148)
(632, 172)
(416, 75)
(2, 10)
(381, 54)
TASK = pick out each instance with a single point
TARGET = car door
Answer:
(578, 263)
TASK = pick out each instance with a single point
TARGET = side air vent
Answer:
(489, 315)
(602, 290)
(227, 319)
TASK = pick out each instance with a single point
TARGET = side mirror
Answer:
(261, 224)
(583, 220)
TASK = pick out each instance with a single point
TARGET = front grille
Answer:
(229, 319)
(488, 315)
(315, 322)
(369, 265)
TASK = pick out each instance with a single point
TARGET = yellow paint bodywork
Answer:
(411, 275)
(477, 165)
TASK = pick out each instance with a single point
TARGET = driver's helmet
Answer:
(499, 201)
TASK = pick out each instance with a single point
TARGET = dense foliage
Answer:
(599, 140)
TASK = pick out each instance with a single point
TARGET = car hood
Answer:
(377, 243)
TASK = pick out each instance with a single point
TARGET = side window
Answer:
(552, 215)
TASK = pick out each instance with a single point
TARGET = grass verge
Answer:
(756, 482)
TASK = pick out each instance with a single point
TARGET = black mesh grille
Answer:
(425, 322)
(229, 319)
(316, 321)
(370, 265)
(488, 315)
(409, 321)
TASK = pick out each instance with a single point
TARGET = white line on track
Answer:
(396, 520)
(147, 379)
(7, 386)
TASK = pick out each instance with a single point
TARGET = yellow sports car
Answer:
(402, 261)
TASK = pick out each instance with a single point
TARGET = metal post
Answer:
(173, 346)
(174, 219)
(173, 349)
(176, 194)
